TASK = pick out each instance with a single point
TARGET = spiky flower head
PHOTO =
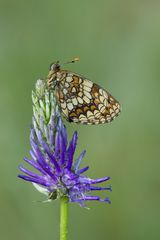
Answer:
(58, 174)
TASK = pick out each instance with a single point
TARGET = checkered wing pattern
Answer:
(82, 101)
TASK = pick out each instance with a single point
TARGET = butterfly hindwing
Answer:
(82, 101)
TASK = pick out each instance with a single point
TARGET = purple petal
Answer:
(42, 162)
(94, 188)
(32, 134)
(99, 180)
(95, 198)
(53, 160)
(51, 135)
(106, 200)
(50, 154)
(31, 174)
(63, 131)
(90, 198)
(35, 165)
(57, 145)
(62, 149)
(78, 161)
(80, 201)
(33, 155)
(37, 152)
(39, 181)
(71, 150)
(82, 170)
(84, 179)
(74, 139)
(39, 136)
(52, 124)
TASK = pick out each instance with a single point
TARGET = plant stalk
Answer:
(63, 218)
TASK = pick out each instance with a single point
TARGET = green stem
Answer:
(63, 218)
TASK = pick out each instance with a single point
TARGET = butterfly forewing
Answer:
(82, 101)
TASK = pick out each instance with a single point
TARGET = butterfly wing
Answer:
(82, 101)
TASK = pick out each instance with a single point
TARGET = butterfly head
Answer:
(55, 73)
(54, 67)
(52, 75)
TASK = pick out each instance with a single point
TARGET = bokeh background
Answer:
(118, 43)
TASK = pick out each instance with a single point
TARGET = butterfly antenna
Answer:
(76, 59)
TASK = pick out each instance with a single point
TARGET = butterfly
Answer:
(80, 100)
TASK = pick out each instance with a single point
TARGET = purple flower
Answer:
(57, 173)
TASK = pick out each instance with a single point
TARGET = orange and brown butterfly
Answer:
(80, 100)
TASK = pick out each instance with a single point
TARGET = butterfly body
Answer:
(81, 100)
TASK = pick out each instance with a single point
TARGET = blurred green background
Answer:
(118, 43)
